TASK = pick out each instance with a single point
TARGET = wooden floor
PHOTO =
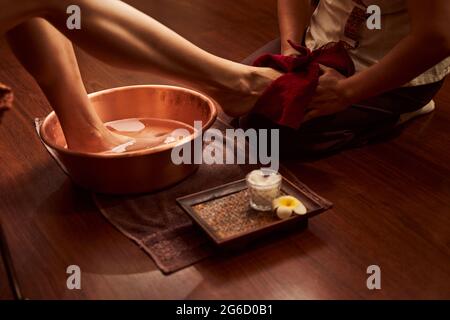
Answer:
(392, 199)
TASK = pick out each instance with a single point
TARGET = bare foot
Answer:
(103, 140)
(240, 100)
(141, 144)
(96, 141)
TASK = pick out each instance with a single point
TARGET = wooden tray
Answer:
(225, 214)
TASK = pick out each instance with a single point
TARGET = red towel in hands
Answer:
(285, 100)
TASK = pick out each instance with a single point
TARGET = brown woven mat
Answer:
(162, 229)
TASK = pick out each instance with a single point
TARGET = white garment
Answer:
(328, 25)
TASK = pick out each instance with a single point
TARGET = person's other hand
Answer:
(329, 97)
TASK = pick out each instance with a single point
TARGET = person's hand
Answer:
(329, 97)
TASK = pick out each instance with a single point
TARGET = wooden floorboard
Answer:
(392, 199)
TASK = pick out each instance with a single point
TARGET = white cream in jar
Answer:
(264, 186)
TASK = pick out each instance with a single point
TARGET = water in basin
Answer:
(147, 133)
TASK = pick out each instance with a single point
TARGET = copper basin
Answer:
(139, 171)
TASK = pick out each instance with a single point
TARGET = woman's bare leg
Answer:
(123, 36)
(54, 66)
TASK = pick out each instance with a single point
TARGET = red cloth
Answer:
(285, 100)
